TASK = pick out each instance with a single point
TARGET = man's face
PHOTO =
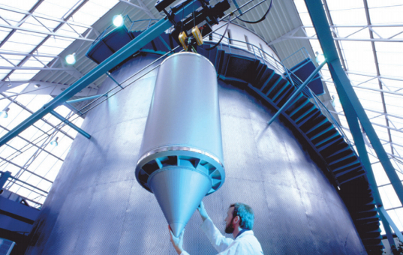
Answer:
(229, 226)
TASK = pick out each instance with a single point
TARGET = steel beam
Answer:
(44, 120)
(378, 90)
(79, 130)
(33, 144)
(33, 173)
(3, 178)
(374, 76)
(39, 15)
(46, 33)
(126, 51)
(342, 83)
(35, 68)
(392, 224)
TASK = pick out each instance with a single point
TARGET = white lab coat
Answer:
(244, 244)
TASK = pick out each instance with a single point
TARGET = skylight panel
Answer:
(12, 18)
(4, 33)
(89, 13)
(20, 4)
(389, 197)
(346, 16)
(50, 9)
(26, 37)
(23, 75)
(382, 133)
(370, 99)
(393, 109)
(343, 5)
(38, 102)
(106, 4)
(387, 15)
(390, 53)
(17, 46)
(380, 175)
(54, 46)
(65, 4)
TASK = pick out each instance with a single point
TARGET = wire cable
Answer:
(222, 37)
(261, 19)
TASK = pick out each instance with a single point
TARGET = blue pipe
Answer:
(85, 99)
(79, 130)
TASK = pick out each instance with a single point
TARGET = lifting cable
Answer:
(261, 19)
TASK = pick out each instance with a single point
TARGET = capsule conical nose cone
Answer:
(179, 192)
(177, 228)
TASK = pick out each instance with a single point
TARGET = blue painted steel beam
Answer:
(3, 178)
(386, 226)
(360, 144)
(342, 83)
(297, 92)
(85, 99)
(126, 51)
(392, 224)
(79, 130)
(113, 79)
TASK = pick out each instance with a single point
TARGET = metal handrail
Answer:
(296, 82)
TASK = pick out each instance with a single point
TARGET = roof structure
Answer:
(37, 35)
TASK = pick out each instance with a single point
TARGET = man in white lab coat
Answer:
(239, 223)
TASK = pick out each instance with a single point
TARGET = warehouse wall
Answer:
(97, 207)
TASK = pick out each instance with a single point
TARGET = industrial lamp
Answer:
(54, 143)
(4, 113)
(320, 58)
(71, 59)
(117, 20)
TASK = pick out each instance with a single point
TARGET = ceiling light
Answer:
(37, 85)
(54, 143)
(117, 20)
(4, 113)
(71, 59)
(320, 58)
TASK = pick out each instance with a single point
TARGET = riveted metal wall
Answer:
(96, 206)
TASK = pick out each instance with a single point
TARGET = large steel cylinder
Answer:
(181, 158)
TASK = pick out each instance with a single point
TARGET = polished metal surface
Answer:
(183, 126)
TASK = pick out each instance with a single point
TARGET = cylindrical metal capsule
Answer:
(181, 158)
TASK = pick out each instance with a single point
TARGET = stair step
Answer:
(307, 114)
(303, 103)
(331, 128)
(317, 126)
(351, 155)
(283, 87)
(275, 81)
(326, 143)
(286, 95)
(345, 166)
(346, 149)
(267, 83)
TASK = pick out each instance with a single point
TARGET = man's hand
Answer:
(202, 211)
(177, 242)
